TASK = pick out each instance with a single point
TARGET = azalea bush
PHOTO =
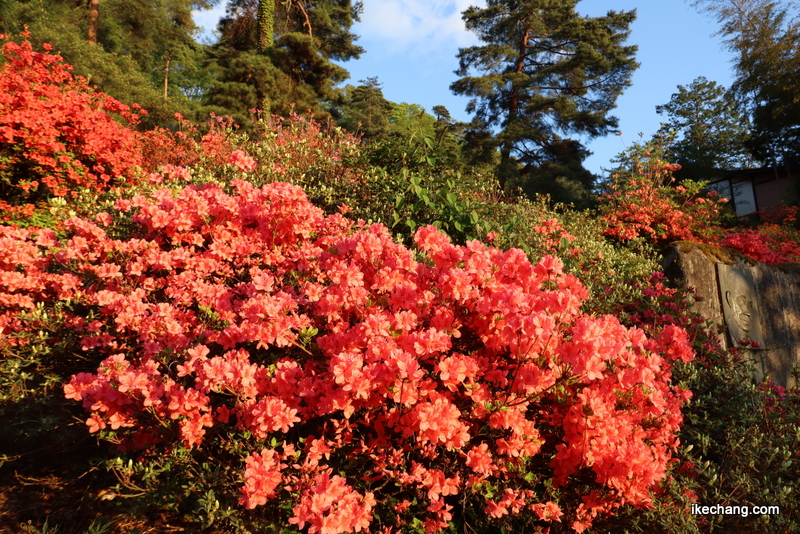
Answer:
(337, 380)
(336, 172)
(257, 360)
(768, 243)
(688, 212)
(56, 133)
(611, 273)
(325, 161)
(776, 240)
(662, 215)
(187, 147)
(739, 439)
(643, 202)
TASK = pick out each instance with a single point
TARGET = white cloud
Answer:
(415, 25)
(400, 26)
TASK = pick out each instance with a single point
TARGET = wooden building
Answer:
(754, 190)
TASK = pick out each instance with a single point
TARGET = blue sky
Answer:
(411, 46)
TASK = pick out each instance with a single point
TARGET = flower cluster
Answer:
(188, 148)
(554, 237)
(769, 243)
(56, 133)
(781, 214)
(400, 382)
(242, 161)
(661, 214)
(647, 205)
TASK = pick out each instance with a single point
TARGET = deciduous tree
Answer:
(765, 35)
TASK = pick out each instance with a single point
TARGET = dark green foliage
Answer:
(769, 79)
(446, 201)
(159, 36)
(710, 128)
(544, 73)
(295, 68)
(450, 142)
(248, 79)
(136, 40)
(765, 37)
(400, 136)
(363, 110)
(42, 449)
(562, 177)
(409, 141)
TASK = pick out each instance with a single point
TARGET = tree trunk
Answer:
(94, 14)
(266, 25)
(166, 75)
(513, 110)
(266, 38)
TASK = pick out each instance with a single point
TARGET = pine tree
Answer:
(544, 73)
(363, 110)
(710, 130)
(296, 71)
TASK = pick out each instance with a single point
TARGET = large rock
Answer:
(745, 299)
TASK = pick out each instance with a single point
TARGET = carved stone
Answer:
(745, 299)
(691, 265)
(740, 308)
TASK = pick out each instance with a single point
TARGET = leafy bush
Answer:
(644, 203)
(647, 206)
(56, 134)
(608, 271)
(337, 174)
(776, 240)
(739, 441)
(384, 386)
